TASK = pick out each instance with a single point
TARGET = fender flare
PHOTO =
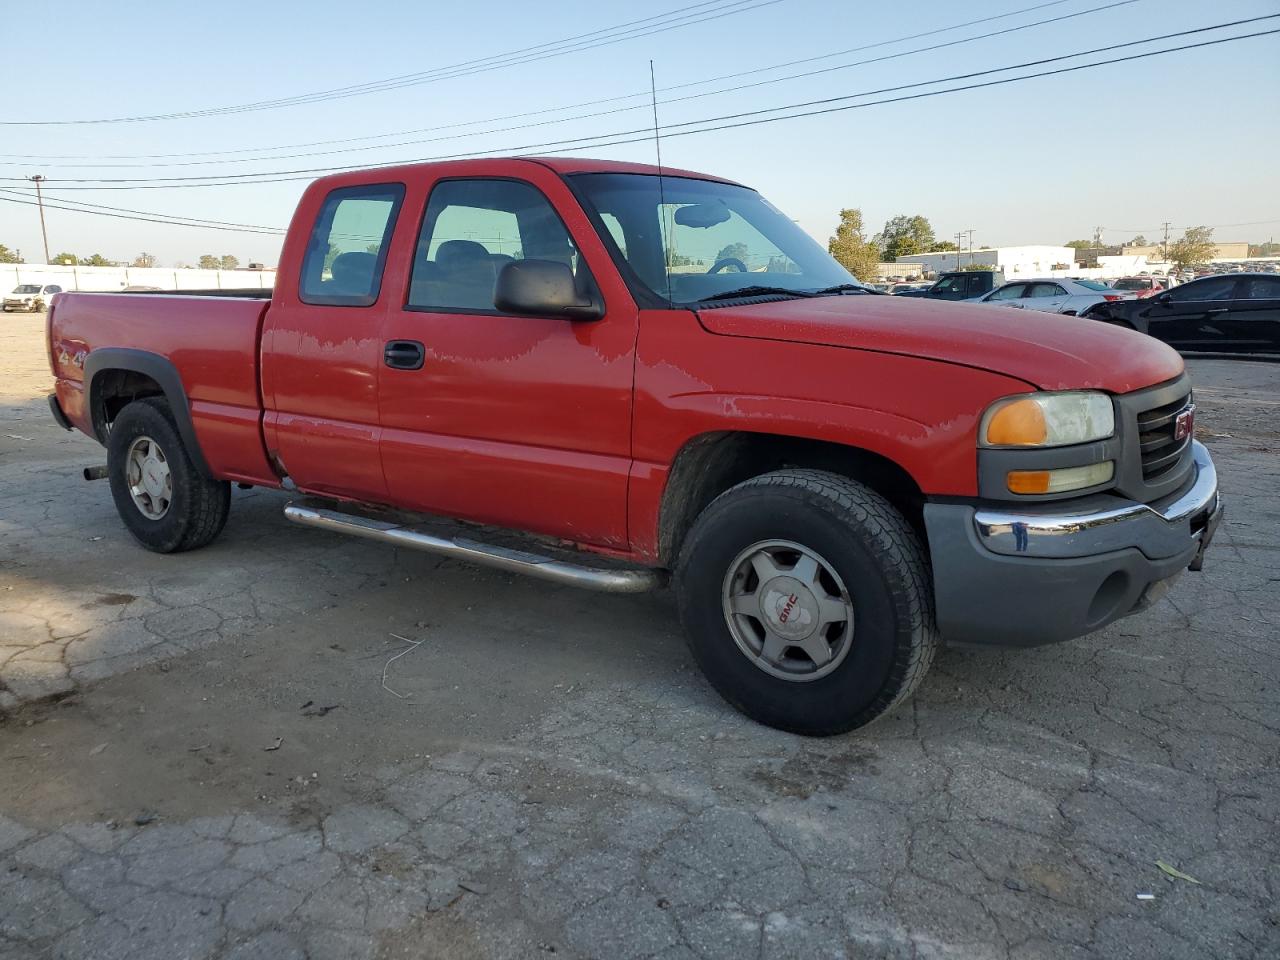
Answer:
(162, 371)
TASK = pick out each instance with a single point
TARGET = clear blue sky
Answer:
(1190, 137)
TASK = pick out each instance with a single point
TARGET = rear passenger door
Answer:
(519, 421)
(1253, 323)
(1048, 297)
(321, 346)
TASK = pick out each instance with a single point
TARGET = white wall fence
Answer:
(104, 279)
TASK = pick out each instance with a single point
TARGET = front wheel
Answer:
(164, 501)
(807, 601)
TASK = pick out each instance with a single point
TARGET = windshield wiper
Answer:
(756, 291)
(842, 288)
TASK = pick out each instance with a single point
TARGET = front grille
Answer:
(1161, 450)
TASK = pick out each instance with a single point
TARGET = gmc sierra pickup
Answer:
(661, 371)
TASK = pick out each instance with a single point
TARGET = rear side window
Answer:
(1262, 288)
(474, 228)
(348, 246)
(1211, 288)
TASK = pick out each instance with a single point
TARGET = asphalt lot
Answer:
(214, 755)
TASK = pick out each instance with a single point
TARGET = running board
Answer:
(604, 579)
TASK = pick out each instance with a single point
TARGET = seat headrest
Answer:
(456, 252)
(353, 272)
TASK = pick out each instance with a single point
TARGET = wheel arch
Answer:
(116, 376)
(711, 463)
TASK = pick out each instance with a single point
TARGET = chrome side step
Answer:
(503, 558)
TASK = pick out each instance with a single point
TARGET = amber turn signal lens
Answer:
(1060, 481)
(1018, 424)
(1029, 481)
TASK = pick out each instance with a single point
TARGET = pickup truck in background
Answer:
(959, 285)
(836, 480)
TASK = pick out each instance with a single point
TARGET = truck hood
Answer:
(1046, 350)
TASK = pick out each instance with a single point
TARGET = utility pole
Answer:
(37, 180)
(959, 234)
(1164, 247)
(970, 232)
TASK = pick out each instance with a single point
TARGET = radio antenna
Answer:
(662, 198)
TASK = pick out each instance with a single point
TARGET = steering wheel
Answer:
(728, 262)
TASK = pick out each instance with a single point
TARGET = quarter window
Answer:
(474, 228)
(348, 247)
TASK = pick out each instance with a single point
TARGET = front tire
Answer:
(163, 500)
(807, 601)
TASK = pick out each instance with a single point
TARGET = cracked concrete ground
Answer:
(554, 778)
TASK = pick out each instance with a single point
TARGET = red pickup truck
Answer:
(661, 371)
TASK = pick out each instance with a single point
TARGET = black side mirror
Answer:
(543, 288)
(1163, 299)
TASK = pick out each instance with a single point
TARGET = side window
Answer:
(977, 285)
(949, 285)
(1041, 290)
(614, 226)
(472, 229)
(53, 288)
(1262, 288)
(348, 246)
(1210, 288)
(1011, 292)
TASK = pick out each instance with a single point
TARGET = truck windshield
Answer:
(27, 288)
(687, 241)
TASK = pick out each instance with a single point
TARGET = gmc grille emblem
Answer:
(1185, 425)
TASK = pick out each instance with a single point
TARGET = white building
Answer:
(1011, 261)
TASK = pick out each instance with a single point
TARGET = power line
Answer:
(671, 20)
(587, 103)
(196, 221)
(616, 110)
(578, 143)
(167, 223)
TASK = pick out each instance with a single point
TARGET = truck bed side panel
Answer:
(211, 341)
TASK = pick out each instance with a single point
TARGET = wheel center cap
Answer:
(152, 479)
(788, 608)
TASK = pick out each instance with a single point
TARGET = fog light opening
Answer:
(1106, 602)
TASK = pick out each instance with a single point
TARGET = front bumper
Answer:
(1049, 572)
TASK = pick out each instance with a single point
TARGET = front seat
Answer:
(353, 273)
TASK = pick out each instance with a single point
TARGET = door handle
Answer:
(1218, 310)
(404, 355)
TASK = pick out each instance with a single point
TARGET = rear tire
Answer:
(867, 557)
(163, 500)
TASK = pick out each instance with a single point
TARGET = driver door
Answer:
(1193, 316)
(519, 421)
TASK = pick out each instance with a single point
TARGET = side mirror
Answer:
(1163, 299)
(543, 288)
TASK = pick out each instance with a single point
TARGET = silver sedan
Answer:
(1053, 295)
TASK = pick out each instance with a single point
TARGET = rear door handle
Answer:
(404, 355)
(1218, 310)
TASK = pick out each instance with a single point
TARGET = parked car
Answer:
(30, 296)
(1053, 296)
(1140, 286)
(834, 480)
(959, 285)
(1228, 313)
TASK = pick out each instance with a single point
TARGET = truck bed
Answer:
(212, 342)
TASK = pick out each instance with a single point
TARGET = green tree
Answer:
(228, 262)
(208, 261)
(734, 251)
(903, 235)
(1080, 244)
(10, 256)
(97, 260)
(145, 259)
(64, 258)
(1196, 246)
(977, 266)
(1139, 241)
(942, 246)
(850, 247)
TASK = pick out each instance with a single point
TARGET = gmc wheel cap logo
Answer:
(1185, 425)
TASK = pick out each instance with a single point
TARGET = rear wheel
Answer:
(163, 500)
(807, 602)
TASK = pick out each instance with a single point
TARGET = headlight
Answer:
(1048, 420)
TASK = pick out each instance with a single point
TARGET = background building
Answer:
(1011, 261)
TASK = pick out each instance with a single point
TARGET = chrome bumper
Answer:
(1104, 523)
